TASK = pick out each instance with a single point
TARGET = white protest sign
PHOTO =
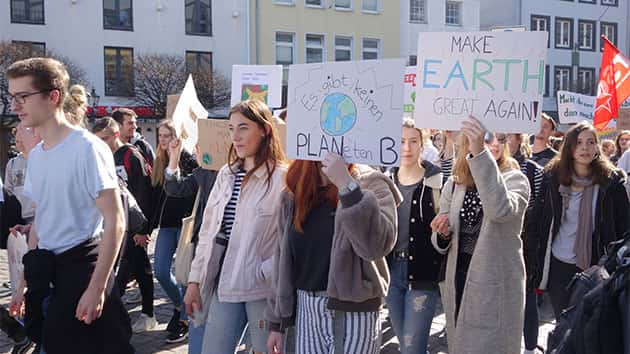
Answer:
(409, 99)
(186, 113)
(574, 107)
(498, 77)
(353, 109)
(263, 82)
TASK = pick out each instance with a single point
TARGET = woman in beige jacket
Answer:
(228, 283)
(482, 208)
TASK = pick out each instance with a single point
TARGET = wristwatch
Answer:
(349, 187)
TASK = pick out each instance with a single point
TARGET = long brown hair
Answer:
(461, 170)
(562, 165)
(269, 152)
(619, 152)
(161, 159)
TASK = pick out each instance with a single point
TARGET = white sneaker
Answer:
(143, 323)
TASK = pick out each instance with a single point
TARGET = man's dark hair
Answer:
(119, 114)
(48, 75)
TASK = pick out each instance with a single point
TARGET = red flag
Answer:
(614, 84)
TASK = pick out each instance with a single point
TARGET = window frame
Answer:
(320, 6)
(591, 70)
(349, 8)
(118, 68)
(547, 20)
(278, 2)
(558, 34)
(350, 48)
(197, 53)
(284, 44)
(594, 2)
(368, 11)
(201, 34)
(118, 28)
(614, 3)
(426, 10)
(556, 69)
(307, 47)
(412, 60)
(31, 43)
(459, 15)
(601, 32)
(28, 5)
(371, 50)
(547, 81)
(593, 34)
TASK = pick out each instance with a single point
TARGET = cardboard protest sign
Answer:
(574, 107)
(215, 141)
(171, 102)
(186, 114)
(498, 77)
(623, 121)
(262, 82)
(353, 109)
(409, 99)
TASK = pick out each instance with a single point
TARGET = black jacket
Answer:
(200, 179)
(144, 147)
(135, 171)
(612, 220)
(424, 261)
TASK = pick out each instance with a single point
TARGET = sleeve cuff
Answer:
(170, 173)
(351, 198)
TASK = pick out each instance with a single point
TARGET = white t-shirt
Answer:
(64, 182)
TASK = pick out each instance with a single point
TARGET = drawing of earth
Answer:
(338, 114)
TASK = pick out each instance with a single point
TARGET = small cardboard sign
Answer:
(171, 103)
(261, 82)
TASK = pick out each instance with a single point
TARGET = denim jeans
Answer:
(411, 311)
(195, 338)
(226, 322)
(165, 248)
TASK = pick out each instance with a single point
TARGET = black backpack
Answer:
(598, 314)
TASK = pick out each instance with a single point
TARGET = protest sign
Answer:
(623, 121)
(409, 99)
(353, 109)
(574, 107)
(498, 77)
(262, 82)
(171, 103)
(186, 114)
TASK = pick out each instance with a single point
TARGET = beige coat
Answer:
(247, 264)
(491, 313)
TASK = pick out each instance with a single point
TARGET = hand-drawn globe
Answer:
(338, 114)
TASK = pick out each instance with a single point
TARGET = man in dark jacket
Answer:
(126, 119)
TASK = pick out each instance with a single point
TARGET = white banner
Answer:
(353, 109)
(186, 113)
(262, 82)
(574, 107)
(498, 77)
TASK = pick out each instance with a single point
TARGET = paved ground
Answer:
(153, 341)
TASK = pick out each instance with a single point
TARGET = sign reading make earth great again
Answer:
(498, 77)
(353, 109)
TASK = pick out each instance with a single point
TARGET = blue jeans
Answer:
(165, 248)
(226, 322)
(411, 311)
(195, 338)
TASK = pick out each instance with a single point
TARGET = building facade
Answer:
(434, 16)
(574, 28)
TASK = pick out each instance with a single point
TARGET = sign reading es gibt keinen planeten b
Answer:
(353, 109)
(498, 77)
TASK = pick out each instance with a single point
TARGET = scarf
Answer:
(584, 239)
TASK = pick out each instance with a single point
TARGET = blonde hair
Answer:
(75, 105)
(161, 159)
(461, 170)
(409, 123)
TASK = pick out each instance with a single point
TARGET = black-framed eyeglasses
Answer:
(20, 97)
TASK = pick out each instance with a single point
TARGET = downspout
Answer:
(249, 33)
(257, 28)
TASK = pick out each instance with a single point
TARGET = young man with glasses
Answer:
(78, 226)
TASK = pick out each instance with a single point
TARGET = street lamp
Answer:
(93, 99)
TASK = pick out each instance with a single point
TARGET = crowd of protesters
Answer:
(482, 222)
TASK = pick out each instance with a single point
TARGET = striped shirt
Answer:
(229, 214)
(447, 168)
(537, 174)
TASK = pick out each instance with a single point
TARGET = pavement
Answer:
(154, 341)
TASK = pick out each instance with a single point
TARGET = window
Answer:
(413, 60)
(562, 78)
(588, 1)
(314, 48)
(546, 81)
(370, 5)
(343, 4)
(564, 33)
(27, 11)
(540, 23)
(119, 79)
(609, 30)
(198, 62)
(37, 48)
(285, 48)
(343, 48)
(371, 48)
(586, 81)
(283, 2)
(117, 15)
(453, 13)
(199, 17)
(586, 35)
(314, 3)
(610, 2)
(418, 11)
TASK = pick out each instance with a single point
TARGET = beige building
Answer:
(308, 31)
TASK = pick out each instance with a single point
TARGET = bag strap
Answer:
(196, 205)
